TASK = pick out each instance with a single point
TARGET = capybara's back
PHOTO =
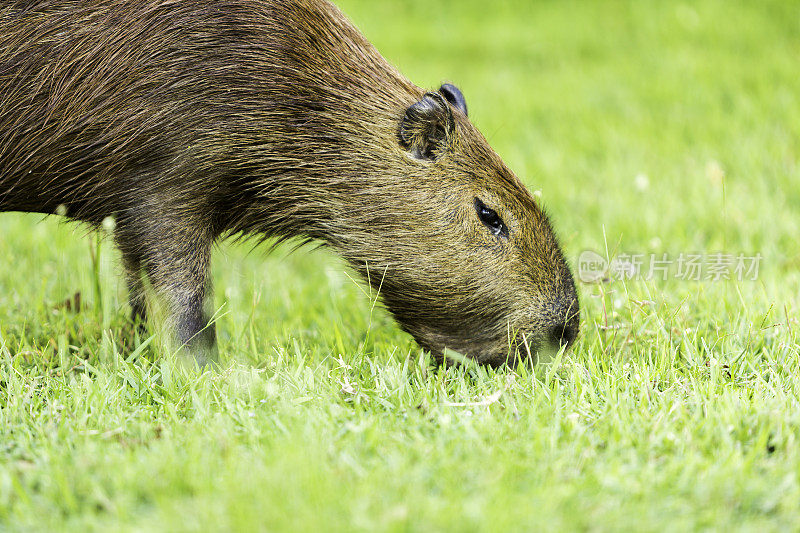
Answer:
(191, 120)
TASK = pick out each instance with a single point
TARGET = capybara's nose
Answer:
(564, 334)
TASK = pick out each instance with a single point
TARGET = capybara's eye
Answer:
(491, 219)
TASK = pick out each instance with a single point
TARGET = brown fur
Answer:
(192, 120)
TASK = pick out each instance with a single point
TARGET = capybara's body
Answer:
(191, 120)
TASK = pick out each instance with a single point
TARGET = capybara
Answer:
(189, 121)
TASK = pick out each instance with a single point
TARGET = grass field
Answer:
(648, 128)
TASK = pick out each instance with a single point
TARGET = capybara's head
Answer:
(467, 260)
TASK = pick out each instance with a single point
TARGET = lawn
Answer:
(647, 128)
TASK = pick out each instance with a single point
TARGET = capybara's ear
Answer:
(454, 96)
(427, 126)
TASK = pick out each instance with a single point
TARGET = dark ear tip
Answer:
(454, 96)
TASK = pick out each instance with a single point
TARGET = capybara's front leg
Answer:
(176, 260)
(136, 290)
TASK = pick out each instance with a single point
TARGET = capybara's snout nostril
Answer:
(564, 334)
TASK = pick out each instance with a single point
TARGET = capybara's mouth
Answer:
(526, 349)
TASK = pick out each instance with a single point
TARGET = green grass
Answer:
(677, 409)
